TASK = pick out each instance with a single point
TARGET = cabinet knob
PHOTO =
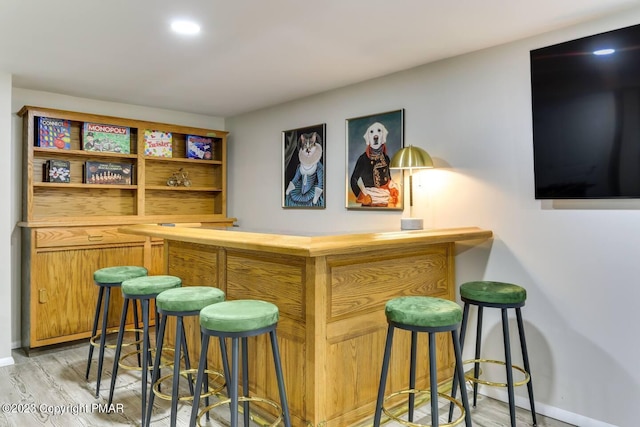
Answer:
(42, 296)
(95, 237)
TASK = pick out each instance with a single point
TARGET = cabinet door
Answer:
(64, 296)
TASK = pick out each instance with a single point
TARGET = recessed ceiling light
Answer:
(604, 52)
(185, 27)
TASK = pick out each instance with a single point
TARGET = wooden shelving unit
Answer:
(79, 202)
(71, 229)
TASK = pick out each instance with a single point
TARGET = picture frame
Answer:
(371, 143)
(303, 167)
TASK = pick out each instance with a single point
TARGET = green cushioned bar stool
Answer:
(107, 278)
(422, 314)
(181, 302)
(142, 289)
(239, 320)
(503, 296)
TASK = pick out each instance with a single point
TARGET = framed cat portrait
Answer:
(303, 167)
(371, 143)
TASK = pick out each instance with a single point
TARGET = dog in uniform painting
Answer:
(371, 178)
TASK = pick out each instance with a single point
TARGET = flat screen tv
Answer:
(586, 117)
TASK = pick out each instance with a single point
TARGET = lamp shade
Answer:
(411, 158)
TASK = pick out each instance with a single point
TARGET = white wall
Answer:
(22, 97)
(473, 114)
(19, 98)
(7, 222)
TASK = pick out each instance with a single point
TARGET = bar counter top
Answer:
(305, 245)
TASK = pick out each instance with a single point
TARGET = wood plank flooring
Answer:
(49, 389)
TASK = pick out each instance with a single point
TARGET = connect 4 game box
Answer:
(54, 133)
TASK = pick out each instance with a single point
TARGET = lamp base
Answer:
(411, 223)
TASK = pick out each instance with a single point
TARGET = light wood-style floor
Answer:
(35, 391)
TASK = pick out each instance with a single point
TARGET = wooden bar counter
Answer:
(331, 291)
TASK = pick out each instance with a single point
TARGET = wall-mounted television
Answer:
(586, 117)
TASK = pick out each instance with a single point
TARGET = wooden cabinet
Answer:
(58, 293)
(70, 229)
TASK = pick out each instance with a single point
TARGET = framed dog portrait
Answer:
(371, 143)
(303, 165)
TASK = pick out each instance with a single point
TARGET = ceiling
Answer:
(253, 54)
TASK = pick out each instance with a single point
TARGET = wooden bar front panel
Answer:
(332, 325)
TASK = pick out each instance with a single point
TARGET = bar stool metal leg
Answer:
(157, 362)
(280, 377)
(233, 404)
(145, 353)
(136, 329)
(525, 360)
(155, 374)
(176, 370)
(114, 373)
(103, 338)
(412, 373)
(187, 361)
(199, 379)
(433, 380)
(383, 376)
(146, 359)
(507, 358)
(476, 365)
(459, 374)
(454, 387)
(94, 329)
(245, 379)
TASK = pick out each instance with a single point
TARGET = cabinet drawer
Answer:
(72, 236)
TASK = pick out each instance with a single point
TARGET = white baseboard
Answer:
(546, 410)
(7, 361)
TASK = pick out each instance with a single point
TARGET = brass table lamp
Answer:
(409, 158)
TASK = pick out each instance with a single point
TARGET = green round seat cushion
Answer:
(118, 274)
(149, 285)
(188, 298)
(493, 292)
(239, 315)
(423, 311)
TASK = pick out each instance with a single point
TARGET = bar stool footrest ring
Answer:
(271, 403)
(164, 362)
(185, 373)
(396, 418)
(96, 337)
(469, 374)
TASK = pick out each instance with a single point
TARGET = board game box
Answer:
(109, 138)
(157, 143)
(199, 147)
(54, 133)
(56, 171)
(108, 173)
